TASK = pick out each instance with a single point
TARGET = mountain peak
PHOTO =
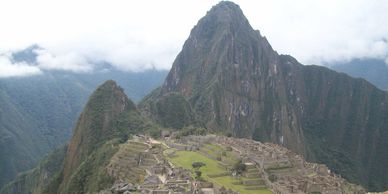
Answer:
(226, 7)
(108, 84)
(226, 16)
(27, 55)
(223, 39)
(235, 82)
(110, 94)
(97, 123)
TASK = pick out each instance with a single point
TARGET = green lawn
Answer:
(216, 151)
(186, 158)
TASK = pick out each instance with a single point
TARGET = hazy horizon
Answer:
(141, 35)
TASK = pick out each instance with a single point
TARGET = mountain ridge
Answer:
(228, 79)
(373, 70)
(93, 126)
(235, 82)
(109, 116)
(37, 113)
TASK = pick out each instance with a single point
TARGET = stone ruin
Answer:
(267, 166)
(289, 172)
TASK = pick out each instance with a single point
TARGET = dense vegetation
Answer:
(108, 115)
(108, 119)
(171, 111)
(37, 113)
(37, 180)
(22, 140)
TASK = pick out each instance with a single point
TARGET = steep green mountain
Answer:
(373, 70)
(20, 145)
(107, 120)
(37, 113)
(108, 115)
(38, 180)
(236, 83)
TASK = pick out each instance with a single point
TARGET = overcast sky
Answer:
(138, 35)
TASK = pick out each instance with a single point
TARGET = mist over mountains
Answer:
(38, 112)
(227, 80)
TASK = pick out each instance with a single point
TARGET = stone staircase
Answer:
(253, 179)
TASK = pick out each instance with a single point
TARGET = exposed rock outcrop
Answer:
(235, 82)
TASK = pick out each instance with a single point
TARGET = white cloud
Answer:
(137, 35)
(133, 35)
(65, 61)
(138, 55)
(323, 30)
(8, 69)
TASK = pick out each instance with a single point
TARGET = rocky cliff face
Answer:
(234, 81)
(232, 77)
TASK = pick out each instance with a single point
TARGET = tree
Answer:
(239, 167)
(198, 174)
(197, 165)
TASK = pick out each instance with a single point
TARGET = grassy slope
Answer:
(186, 158)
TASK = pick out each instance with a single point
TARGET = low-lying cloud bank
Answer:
(35, 60)
(9, 69)
(66, 62)
(141, 35)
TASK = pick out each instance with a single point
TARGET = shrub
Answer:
(272, 178)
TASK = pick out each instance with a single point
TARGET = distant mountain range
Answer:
(37, 113)
(373, 70)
